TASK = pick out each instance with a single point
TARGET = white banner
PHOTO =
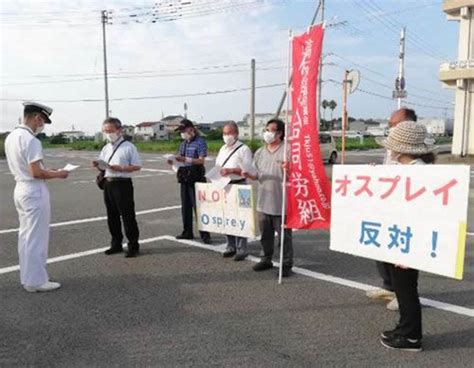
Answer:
(230, 211)
(412, 215)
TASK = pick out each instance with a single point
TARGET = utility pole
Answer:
(252, 99)
(345, 84)
(400, 93)
(104, 44)
(185, 110)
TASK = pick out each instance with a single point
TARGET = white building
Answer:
(151, 130)
(72, 135)
(260, 124)
(459, 75)
(434, 126)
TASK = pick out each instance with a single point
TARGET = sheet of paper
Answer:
(70, 167)
(175, 164)
(216, 178)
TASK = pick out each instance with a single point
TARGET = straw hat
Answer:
(409, 137)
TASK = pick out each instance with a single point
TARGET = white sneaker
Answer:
(393, 305)
(47, 286)
(380, 294)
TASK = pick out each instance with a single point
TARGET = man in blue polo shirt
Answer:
(192, 153)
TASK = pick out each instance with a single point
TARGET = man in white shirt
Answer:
(123, 159)
(233, 158)
(25, 160)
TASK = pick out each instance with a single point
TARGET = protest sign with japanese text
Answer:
(411, 215)
(230, 211)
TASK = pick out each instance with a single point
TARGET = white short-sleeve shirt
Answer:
(242, 158)
(126, 155)
(23, 148)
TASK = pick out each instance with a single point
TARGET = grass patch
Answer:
(356, 144)
(213, 146)
(444, 140)
(2, 148)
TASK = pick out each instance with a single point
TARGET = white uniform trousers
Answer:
(34, 211)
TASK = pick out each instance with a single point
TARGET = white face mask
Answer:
(39, 130)
(229, 139)
(111, 137)
(393, 158)
(269, 137)
(185, 136)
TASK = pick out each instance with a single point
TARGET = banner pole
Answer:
(285, 149)
(344, 116)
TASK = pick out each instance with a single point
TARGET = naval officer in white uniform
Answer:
(25, 160)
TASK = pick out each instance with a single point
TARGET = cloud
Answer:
(220, 39)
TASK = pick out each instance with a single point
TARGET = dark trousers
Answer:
(385, 272)
(405, 282)
(268, 225)
(118, 197)
(188, 207)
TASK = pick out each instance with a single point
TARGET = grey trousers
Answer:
(268, 225)
(237, 244)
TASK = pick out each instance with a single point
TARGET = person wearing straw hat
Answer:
(409, 144)
(268, 161)
(386, 291)
(25, 160)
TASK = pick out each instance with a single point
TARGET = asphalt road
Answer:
(182, 304)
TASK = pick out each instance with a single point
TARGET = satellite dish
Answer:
(353, 78)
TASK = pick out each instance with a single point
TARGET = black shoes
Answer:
(262, 266)
(185, 236)
(397, 342)
(286, 271)
(132, 253)
(390, 334)
(206, 239)
(113, 250)
(228, 253)
(240, 257)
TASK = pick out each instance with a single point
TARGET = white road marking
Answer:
(101, 218)
(76, 255)
(159, 170)
(134, 177)
(301, 271)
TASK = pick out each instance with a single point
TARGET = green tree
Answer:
(58, 139)
(214, 134)
(325, 105)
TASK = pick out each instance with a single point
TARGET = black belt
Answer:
(118, 179)
(237, 181)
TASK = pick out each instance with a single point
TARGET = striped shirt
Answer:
(195, 148)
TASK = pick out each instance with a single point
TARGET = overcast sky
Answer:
(51, 52)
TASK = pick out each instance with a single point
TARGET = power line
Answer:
(169, 75)
(209, 93)
(359, 90)
(154, 14)
(394, 27)
(385, 76)
(121, 72)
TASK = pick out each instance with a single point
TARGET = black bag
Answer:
(191, 174)
(100, 179)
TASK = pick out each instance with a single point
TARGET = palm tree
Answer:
(332, 105)
(325, 105)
